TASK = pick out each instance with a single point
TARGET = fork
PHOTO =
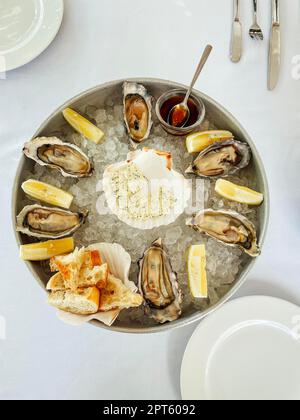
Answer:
(255, 31)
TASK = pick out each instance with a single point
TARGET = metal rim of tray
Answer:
(181, 322)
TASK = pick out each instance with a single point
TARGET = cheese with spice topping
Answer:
(138, 197)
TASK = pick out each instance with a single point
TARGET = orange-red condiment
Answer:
(178, 115)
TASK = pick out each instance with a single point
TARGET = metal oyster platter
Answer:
(227, 267)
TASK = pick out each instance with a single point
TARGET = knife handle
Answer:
(275, 12)
(237, 9)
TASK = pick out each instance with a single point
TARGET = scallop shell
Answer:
(31, 150)
(154, 166)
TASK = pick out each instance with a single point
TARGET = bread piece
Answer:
(56, 283)
(92, 259)
(87, 278)
(69, 266)
(117, 296)
(96, 276)
(81, 269)
(77, 256)
(81, 302)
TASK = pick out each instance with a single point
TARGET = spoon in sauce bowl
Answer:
(180, 114)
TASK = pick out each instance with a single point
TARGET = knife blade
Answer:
(237, 36)
(275, 48)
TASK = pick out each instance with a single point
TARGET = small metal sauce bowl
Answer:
(179, 131)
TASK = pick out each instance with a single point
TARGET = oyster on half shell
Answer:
(137, 111)
(49, 222)
(64, 157)
(221, 159)
(227, 227)
(158, 285)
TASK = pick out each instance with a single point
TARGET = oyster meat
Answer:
(158, 285)
(137, 111)
(221, 159)
(49, 222)
(230, 228)
(65, 157)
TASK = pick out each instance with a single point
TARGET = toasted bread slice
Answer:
(117, 296)
(92, 259)
(69, 266)
(81, 269)
(96, 276)
(88, 278)
(81, 302)
(56, 283)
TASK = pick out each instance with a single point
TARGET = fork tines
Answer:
(256, 33)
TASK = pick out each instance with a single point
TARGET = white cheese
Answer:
(137, 197)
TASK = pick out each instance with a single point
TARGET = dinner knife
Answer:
(275, 47)
(237, 36)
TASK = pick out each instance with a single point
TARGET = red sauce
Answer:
(178, 117)
(175, 100)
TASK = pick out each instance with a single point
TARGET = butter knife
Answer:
(275, 47)
(237, 35)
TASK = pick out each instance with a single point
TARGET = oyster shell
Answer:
(65, 157)
(221, 159)
(137, 111)
(158, 285)
(227, 227)
(49, 222)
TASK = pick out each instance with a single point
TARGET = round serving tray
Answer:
(222, 119)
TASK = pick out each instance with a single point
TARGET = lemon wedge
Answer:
(237, 193)
(197, 142)
(47, 193)
(45, 250)
(83, 126)
(197, 271)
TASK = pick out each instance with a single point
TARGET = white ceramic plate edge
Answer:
(249, 309)
(30, 52)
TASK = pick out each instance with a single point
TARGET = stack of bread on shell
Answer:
(83, 285)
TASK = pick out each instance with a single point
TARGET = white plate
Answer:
(27, 28)
(247, 350)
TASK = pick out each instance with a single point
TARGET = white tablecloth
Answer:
(111, 39)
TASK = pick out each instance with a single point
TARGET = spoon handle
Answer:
(201, 64)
